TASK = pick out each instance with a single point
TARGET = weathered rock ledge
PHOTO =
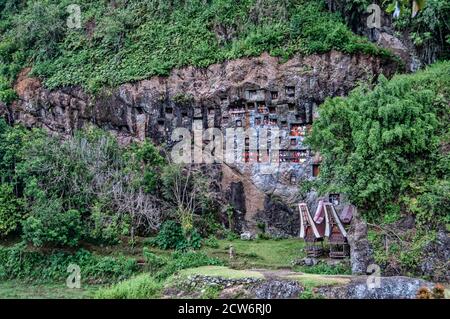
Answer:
(260, 92)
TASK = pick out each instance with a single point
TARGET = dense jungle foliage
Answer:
(59, 192)
(121, 41)
(388, 148)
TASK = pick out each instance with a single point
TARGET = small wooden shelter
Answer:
(336, 233)
(311, 232)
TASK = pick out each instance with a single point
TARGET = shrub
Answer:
(211, 242)
(11, 210)
(211, 292)
(410, 257)
(424, 293)
(192, 240)
(7, 94)
(17, 262)
(106, 227)
(325, 269)
(230, 235)
(48, 225)
(143, 286)
(170, 236)
(154, 262)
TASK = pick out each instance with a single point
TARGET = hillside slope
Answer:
(122, 41)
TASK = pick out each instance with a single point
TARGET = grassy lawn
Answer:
(262, 254)
(15, 289)
(308, 280)
(270, 254)
(312, 280)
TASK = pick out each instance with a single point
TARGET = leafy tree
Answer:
(49, 224)
(40, 27)
(11, 210)
(88, 180)
(387, 145)
(11, 203)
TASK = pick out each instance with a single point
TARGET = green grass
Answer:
(221, 271)
(313, 280)
(270, 254)
(250, 256)
(15, 289)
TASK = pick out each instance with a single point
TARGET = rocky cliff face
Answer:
(260, 93)
(386, 36)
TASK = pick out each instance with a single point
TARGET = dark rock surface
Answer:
(277, 289)
(390, 288)
(436, 261)
(360, 250)
(280, 219)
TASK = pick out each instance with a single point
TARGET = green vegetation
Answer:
(171, 236)
(259, 253)
(386, 148)
(59, 192)
(429, 29)
(325, 269)
(221, 271)
(18, 262)
(406, 251)
(150, 285)
(143, 286)
(131, 40)
(68, 200)
(15, 289)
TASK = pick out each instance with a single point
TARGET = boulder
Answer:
(277, 289)
(247, 236)
(360, 250)
(390, 288)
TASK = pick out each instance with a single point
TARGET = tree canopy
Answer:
(388, 148)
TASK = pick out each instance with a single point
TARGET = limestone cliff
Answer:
(260, 92)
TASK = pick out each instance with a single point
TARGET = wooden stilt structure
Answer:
(336, 233)
(311, 232)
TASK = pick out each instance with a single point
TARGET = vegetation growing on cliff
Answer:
(59, 192)
(122, 41)
(388, 148)
(428, 30)
(83, 188)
